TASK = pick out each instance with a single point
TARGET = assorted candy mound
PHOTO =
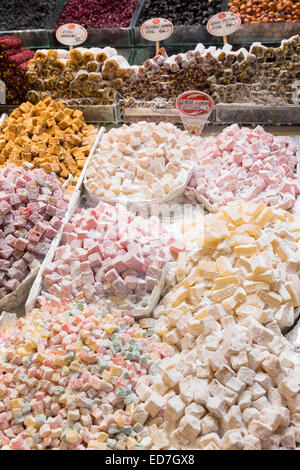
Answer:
(70, 377)
(49, 135)
(13, 66)
(13, 15)
(249, 164)
(78, 77)
(235, 384)
(141, 162)
(107, 251)
(95, 14)
(180, 12)
(32, 206)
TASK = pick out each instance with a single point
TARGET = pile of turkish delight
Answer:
(32, 206)
(249, 164)
(144, 161)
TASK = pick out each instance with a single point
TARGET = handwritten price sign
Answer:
(223, 24)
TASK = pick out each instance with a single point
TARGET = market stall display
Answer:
(15, 15)
(32, 207)
(77, 77)
(143, 162)
(260, 11)
(94, 14)
(92, 363)
(49, 135)
(249, 164)
(13, 66)
(180, 12)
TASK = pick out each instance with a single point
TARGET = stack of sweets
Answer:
(70, 377)
(49, 135)
(13, 66)
(32, 206)
(78, 77)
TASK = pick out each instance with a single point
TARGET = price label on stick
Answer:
(194, 107)
(223, 24)
(157, 29)
(71, 34)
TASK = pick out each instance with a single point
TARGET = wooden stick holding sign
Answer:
(223, 24)
(194, 108)
(157, 29)
(71, 34)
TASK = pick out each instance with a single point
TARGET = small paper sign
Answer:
(157, 29)
(195, 107)
(71, 34)
(223, 24)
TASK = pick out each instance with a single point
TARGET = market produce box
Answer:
(111, 24)
(189, 20)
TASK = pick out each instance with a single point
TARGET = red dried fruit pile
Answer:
(94, 14)
(13, 66)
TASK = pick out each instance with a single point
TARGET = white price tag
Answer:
(223, 24)
(71, 34)
(157, 29)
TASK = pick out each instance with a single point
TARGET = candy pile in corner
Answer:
(107, 251)
(49, 135)
(69, 378)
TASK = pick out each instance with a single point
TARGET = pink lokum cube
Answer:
(131, 282)
(131, 260)
(111, 275)
(100, 275)
(94, 260)
(12, 285)
(150, 283)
